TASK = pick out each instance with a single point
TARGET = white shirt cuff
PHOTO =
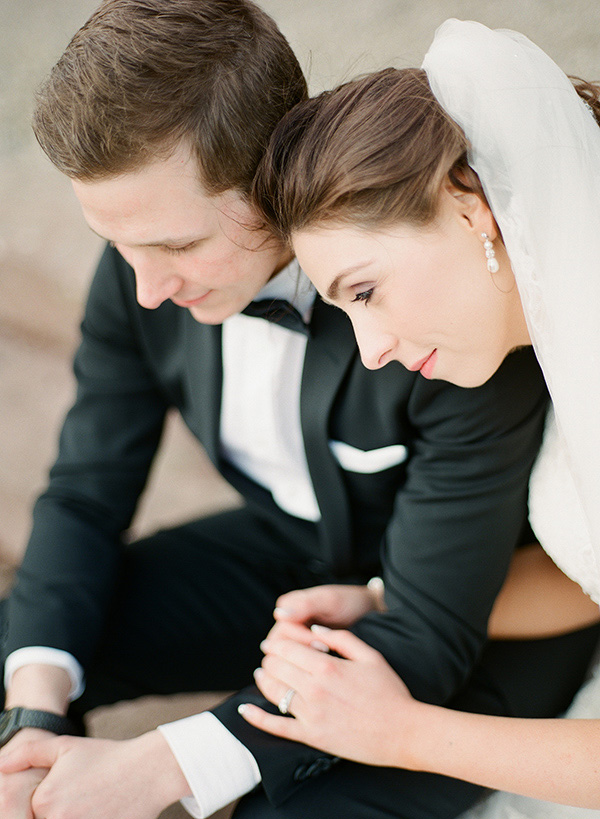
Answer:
(217, 766)
(42, 655)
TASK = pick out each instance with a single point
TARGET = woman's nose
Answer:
(376, 346)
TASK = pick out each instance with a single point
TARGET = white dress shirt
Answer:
(260, 435)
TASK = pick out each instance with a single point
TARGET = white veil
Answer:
(536, 148)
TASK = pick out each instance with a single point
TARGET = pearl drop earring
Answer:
(490, 254)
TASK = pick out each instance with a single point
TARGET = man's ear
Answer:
(472, 209)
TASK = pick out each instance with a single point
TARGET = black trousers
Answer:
(193, 604)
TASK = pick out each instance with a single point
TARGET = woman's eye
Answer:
(364, 296)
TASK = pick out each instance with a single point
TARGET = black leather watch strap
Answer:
(14, 719)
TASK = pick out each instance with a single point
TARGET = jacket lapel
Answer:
(204, 373)
(329, 352)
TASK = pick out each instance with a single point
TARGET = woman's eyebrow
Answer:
(333, 289)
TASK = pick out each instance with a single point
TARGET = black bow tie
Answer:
(279, 312)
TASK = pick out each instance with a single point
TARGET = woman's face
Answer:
(423, 297)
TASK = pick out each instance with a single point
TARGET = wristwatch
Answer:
(14, 719)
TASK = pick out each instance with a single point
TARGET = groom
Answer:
(159, 111)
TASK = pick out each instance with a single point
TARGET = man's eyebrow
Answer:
(333, 289)
(180, 241)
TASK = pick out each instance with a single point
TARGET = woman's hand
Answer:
(354, 706)
(336, 606)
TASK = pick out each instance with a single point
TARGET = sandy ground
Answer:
(47, 254)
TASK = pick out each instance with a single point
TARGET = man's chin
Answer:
(213, 315)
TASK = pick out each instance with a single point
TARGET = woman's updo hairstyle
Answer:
(372, 152)
(589, 93)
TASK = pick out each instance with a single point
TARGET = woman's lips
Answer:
(426, 365)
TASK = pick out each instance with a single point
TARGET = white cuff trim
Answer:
(217, 766)
(42, 655)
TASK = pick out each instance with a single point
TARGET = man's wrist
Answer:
(170, 779)
(44, 655)
(43, 687)
(14, 720)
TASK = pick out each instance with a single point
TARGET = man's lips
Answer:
(191, 302)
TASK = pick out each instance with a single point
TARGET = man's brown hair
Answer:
(142, 76)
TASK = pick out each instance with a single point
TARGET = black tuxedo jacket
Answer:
(439, 526)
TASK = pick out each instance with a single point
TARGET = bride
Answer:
(475, 233)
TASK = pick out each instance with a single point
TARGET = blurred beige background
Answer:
(47, 254)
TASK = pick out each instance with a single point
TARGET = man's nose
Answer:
(154, 282)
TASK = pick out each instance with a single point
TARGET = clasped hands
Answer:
(48, 777)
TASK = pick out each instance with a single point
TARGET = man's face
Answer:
(203, 252)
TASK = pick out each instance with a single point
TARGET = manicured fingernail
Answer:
(242, 709)
(319, 646)
(319, 629)
(258, 672)
(265, 646)
(376, 584)
(283, 612)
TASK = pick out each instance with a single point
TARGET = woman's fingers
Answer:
(298, 606)
(288, 659)
(275, 689)
(333, 605)
(280, 726)
(290, 641)
(346, 644)
(293, 631)
(306, 605)
(291, 665)
(308, 671)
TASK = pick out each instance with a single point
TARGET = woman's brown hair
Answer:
(372, 153)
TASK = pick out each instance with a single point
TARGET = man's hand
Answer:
(334, 606)
(17, 789)
(46, 688)
(97, 778)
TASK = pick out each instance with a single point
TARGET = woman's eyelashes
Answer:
(364, 295)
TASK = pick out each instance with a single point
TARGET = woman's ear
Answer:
(472, 209)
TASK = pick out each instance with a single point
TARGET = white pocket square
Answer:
(367, 461)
